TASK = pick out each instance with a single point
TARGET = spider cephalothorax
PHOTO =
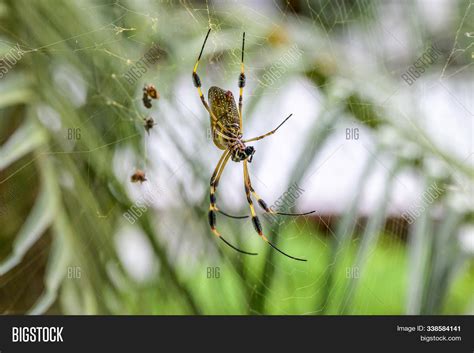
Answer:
(227, 134)
(240, 152)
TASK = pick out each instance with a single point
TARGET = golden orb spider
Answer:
(227, 132)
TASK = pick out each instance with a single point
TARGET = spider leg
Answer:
(265, 207)
(231, 216)
(227, 137)
(197, 84)
(197, 80)
(256, 222)
(212, 207)
(215, 180)
(241, 84)
(268, 133)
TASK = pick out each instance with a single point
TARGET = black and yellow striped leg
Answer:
(197, 79)
(255, 221)
(213, 186)
(268, 133)
(212, 207)
(241, 84)
(197, 84)
(214, 181)
(267, 209)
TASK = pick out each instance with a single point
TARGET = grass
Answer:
(297, 287)
(92, 44)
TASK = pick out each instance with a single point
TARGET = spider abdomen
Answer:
(224, 108)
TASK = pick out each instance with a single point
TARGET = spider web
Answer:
(362, 51)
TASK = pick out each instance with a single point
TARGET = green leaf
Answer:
(39, 219)
(60, 251)
(14, 89)
(26, 139)
(419, 245)
(36, 224)
(57, 266)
